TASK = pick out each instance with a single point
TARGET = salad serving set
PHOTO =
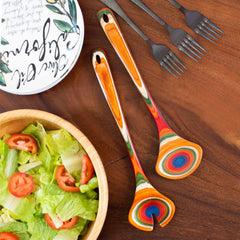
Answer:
(177, 158)
(35, 57)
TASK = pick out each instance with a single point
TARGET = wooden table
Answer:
(201, 106)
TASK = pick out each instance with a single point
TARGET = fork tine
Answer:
(203, 35)
(212, 24)
(196, 43)
(172, 61)
(177, 59)
(186, 52)
(210, 29)
(190, 50)
(193, 47)
(168, 62)
(207, 32)
(168, 69)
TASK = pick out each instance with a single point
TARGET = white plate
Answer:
(41, 41)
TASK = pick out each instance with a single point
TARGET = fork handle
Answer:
(110, 26)
(150, 12)
(105, 79)
(117, 9)
(177, 5)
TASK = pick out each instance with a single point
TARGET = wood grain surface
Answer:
(202, 106)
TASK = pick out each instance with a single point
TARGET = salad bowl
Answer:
(15, 121)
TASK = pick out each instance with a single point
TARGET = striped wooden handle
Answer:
(112, 30)
(104, 76)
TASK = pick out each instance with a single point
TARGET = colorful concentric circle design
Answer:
(149, 202)
(178, 157)
(144, 210)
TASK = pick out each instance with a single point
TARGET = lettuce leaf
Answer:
(25, 157)
(11, 163)
(91, 185)
(20, 208)
(39, 133)
(74, 232)
(64, 142)
(73, 161)
(77, 205)
(40, 229)
(5, 217)
(3, 156)
(66, 204)
(17, 228)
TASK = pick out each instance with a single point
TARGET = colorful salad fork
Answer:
(177, 158)
(148, 201)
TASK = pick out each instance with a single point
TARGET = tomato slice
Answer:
(24, 142)
(20, 184)
(66, 225)
(8, 236)
(87, 170)
(65, 180)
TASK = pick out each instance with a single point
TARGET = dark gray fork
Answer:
(180, 38)
(161, 53)
(199, 23)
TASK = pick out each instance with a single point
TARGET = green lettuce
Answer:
(73, 233)
(17, 228)
(66, 204)
(91, 185)
(3, 156)
(40, 230)
(11, 163)
(77, 205)
(21, 208)
(5, 217)
(9, 224)
(64, 142)
(25, 157)
(25, 216)
(39, 133)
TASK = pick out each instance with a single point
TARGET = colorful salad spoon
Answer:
(177, 158)
(148, 201)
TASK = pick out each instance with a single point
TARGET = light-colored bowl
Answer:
(15, 121)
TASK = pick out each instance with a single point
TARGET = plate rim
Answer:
(53, 84)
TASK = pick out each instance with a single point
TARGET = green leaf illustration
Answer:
(73, 10)
(2, 80)
(54, 9)
(63, 26)
(4, 41)
(3, 67)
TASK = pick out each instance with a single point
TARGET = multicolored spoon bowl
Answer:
(177, 158)
(147, 201)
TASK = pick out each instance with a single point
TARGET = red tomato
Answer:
(87, 170)
(8, 236)
(65, 180)
(20, 184)
(24, 142)
(66, 225)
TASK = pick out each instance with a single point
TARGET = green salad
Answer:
(48, 188)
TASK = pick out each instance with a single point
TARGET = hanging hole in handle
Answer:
(98, 59)
(105, 18)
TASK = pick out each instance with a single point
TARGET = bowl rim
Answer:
(39, 115)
